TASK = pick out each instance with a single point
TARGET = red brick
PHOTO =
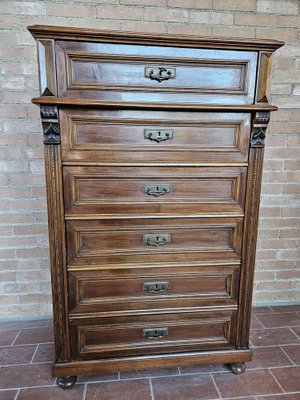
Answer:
(161, 14)
(71, 10)
(287, 7)
(190, 3)
(236, 5)
(122, 12)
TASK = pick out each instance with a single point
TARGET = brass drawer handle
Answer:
(155, 333)
(157, 190)
(160, 73)
(157, 239)
(156, 287)
(158, 135)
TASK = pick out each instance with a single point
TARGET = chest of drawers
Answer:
(153, 152)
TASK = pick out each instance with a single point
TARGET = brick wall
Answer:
(24, 271)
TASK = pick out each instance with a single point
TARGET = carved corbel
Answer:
(259, 128)
(50, 123)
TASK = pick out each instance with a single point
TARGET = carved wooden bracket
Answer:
(259, 128)
(50, 123)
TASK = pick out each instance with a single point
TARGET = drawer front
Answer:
(164, 333)
(130, 136)
(122, 240)
(132, 73)
(150, 190)
(129, 291)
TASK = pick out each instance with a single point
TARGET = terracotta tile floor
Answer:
(26, 353)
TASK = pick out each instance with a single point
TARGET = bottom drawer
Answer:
(152, 334)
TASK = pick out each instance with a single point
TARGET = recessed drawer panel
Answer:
(150, 190)
(135, 136)
(135, 73)
(163, 333)
(125, 240)
(128, 291)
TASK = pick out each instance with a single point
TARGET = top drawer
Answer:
(135, 73)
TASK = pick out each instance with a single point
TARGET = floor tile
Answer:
(248, 384)
(204, 368)
(293, 396)
(261, 310)
(149, 373)
(45, 353)
(52, 393)
(98, 377)
(273, 337)
(7, 337)
(267, 357)
(277, 320)
(23, 324)
(289, 378)
(7, 394)
(255, 324)
(189, 387)
(293, 351)
(296, 331)
(16, 354)
(35, 335)
(25, 376)
(121, 390)
(285, 308)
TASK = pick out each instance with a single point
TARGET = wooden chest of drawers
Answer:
(154, 151)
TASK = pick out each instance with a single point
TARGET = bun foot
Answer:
(66, 382)
(238, 368)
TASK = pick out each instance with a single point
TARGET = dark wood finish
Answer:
(92, 35)
(152, 106)
(117, 136)
(114, 72)
(154, 149)
(100, 191)
(122, 240)
(106, 292)
(46, 56)
(57, 246)
(127, 336)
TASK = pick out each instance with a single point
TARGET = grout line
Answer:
(19, 345)
(84, 392)
(17, 394)
(35, 351)
(216, 387)
(298, 337)
(25, 364)
(287, 354)
(276, 380)
(151, 389)
(16, 338)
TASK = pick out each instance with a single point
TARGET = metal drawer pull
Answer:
(158, 135)
(160, 73)
(157, 190)
(157, 239)
(156, 287)
(155, 333)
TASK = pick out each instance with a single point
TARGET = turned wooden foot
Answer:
(238, 368)
(66, 382)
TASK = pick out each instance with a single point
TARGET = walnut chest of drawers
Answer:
(154, 152)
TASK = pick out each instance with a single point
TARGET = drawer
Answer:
(154, 190)
(136, 136)
(132, 290)
(134, 73)
(155, 239)
(153, 334)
